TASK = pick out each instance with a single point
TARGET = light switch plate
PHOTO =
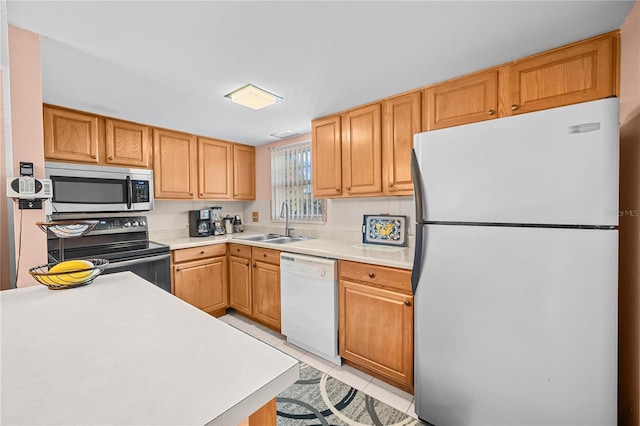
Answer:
(255, 216)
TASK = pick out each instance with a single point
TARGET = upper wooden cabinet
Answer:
(577, 73)
(127, 144)
(215, 169)
(244, 172)
(81, 137)
(326, 158)
(401, 119)
(461, 101)
(174, 164)
(70, 135)
(362, 150)
(185, 166)
(580, 72)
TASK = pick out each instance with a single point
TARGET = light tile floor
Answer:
(378, 389)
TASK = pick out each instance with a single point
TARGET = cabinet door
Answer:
(202, 283)
(266, 294)
(326, 157)
(401, 120)
(461, 101)
(127, 144)
(244, 172)
(361, 151)
(174, 164)
(376, 330)
(578, 73)
(215, 164)
(240, 284)
(70, 135)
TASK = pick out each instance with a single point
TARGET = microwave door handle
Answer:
(129, 193)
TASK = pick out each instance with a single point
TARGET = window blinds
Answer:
(291, 182)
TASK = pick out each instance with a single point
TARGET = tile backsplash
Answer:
(344, 217)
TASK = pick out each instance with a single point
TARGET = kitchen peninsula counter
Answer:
(395, 257)
(121, 351)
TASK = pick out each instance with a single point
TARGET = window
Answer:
(291, 182)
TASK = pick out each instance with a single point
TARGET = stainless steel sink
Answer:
(261, 237)
(273, 238)
(286, 240)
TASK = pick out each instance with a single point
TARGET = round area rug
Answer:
(319, 399)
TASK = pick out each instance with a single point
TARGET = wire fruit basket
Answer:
(69, 274)
(68, 228)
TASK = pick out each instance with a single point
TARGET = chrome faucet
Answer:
(284, 213)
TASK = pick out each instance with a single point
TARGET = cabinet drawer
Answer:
(240, 250)
(202, 252)
(399, 279)
(266, 255)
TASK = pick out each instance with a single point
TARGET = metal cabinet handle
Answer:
(491, 112)
(337, 189)
(390, 184)
(372, 275)
(110, 158)
(407, 303)
(348, 188)
(514, 107)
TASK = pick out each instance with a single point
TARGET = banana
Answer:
(60, 278)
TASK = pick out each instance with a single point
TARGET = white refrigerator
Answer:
(515, 270)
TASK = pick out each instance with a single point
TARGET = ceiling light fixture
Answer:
(253, 97)
(284, 134)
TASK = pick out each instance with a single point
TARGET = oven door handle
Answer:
(138, 261)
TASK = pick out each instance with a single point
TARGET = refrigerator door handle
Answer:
(418, 195)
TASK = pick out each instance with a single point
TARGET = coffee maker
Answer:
(217, 224)
(199, 223)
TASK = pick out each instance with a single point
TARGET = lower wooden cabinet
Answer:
(376, 321)
(266, 293)
(240, 278)
(200, 277)
(255, 283)
(266, 287)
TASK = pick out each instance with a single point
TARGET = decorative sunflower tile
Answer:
(387, 230)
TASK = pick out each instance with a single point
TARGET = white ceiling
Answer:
(170, 63)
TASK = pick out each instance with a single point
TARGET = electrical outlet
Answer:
(29, 204)
(255, 216)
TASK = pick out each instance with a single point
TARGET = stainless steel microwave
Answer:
(84, 188)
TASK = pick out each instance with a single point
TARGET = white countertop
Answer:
(397, 257)
(121, 351)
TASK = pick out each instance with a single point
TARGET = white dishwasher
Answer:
(309, 304)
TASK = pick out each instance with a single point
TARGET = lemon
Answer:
(83, 266)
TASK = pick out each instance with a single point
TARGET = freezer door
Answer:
(558, 166)
(517, 326)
